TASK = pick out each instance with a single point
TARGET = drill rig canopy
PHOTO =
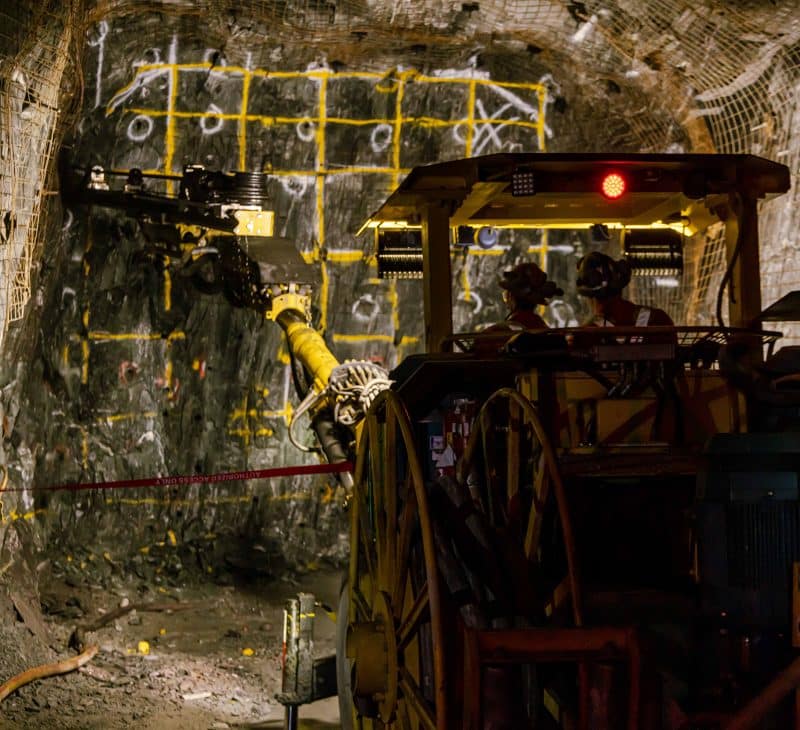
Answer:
(570, 190)
(681, 193)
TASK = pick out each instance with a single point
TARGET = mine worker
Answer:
(525, 287)
(601, 279)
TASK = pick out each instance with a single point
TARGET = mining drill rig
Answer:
(217, 232)
(574, 528)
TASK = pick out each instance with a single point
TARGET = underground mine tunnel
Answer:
(307, 419)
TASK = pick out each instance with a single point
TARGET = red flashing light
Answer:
(613, 185)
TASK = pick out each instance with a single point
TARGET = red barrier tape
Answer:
(281, 471)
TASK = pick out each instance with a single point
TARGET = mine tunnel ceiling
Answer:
(660, 73)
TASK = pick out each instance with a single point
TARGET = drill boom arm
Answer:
(252, 269)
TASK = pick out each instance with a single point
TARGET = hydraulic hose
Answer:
(308, 347)
(330, 436)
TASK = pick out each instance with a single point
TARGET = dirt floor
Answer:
(191, 656)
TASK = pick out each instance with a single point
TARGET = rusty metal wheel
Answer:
(509, 471)
(394, 652)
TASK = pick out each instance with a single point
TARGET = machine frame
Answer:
(504, 520)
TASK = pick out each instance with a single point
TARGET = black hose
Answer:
(331, 436)
(300, 377)
(726, 277)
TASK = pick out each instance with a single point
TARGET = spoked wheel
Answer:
(390, 621)
(510, 474)
(510, 469)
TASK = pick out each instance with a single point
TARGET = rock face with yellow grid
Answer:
(146, 376)
(137, 374)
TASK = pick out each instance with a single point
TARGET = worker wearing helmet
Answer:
(601, 279)
(525, 287)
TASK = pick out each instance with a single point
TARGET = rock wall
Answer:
(137, 374)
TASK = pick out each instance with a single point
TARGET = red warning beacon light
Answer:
(613, 186)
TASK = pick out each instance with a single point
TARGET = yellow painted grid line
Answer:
(167, 502)
(233, 499)
(284, 413)
(13, 515)
(352, 170)
(118, 417)
(84, 447)
(312, 172)
(168, 365)
(339, 337)
(103, 336)
(326, 74)
(295, 496)
(421, 78)
(322, 101)
(543, 250)
(167, 286)
(398, 128)
(87, 268)
(542, 96)
(320, 191)
(84, 360)
(465, 280)
(269, 121)
(323, 296)
(395, 302)
(470, 119)
(169, 140)
(243, 121)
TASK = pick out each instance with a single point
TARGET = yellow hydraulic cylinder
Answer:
(308, 347)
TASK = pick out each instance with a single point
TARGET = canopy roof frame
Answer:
(687, 191)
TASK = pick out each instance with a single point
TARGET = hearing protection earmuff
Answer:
(599, 276)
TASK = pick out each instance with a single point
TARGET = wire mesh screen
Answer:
(36, 43)
(734, 67)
